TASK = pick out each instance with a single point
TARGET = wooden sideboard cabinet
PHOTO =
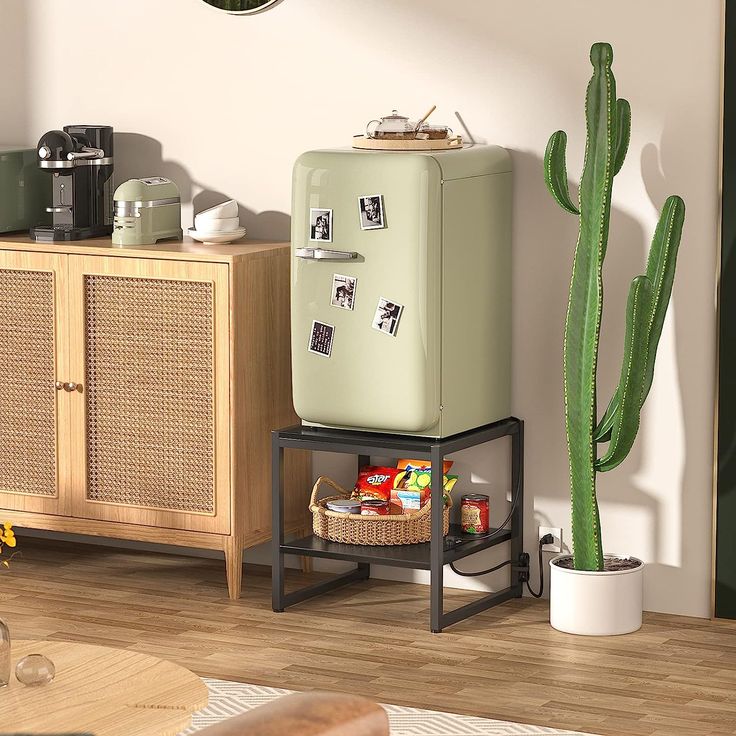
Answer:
(139, 389)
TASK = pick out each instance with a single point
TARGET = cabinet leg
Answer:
(234, 566)
(306, 564)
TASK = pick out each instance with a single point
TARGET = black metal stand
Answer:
(432, 556)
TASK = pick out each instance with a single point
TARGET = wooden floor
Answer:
(676, 676)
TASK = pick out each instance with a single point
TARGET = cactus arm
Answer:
(661, 272)
(633, 368)
(623, 134)
(582, 326)
(555, 171)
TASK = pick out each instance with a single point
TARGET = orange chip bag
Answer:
(409, 465)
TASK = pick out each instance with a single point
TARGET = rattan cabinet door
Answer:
(33, 414)
(150, 347)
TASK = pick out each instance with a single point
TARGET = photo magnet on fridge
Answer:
(343, 291)
(387, 316)
(320, 225)
(320, 341)
(371, 212)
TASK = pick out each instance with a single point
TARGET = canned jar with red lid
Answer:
(475, 513)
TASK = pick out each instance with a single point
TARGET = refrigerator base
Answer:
(431, 556)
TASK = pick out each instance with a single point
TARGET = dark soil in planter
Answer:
(610, 564)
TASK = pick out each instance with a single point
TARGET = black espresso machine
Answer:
(80, 159)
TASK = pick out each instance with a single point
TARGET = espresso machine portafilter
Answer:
(80, 160)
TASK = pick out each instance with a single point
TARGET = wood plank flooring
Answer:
(676, 676)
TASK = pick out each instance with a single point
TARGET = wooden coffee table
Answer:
(101, 691)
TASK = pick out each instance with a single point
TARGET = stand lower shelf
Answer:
(413, 556)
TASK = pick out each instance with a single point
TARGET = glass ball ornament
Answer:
(35, 669)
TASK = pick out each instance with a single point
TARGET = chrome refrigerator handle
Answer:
(320, 254)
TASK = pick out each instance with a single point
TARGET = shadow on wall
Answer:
(690, 318)
(139, 155)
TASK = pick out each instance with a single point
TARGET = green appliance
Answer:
(146, 211)
(401, 289)
(24, 190)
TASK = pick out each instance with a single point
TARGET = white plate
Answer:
(211, 238)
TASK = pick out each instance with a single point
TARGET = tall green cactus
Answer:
(608, 122)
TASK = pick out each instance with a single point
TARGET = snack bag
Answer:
(418, 480)
(423, 465)
(415, 491)
(375, 481)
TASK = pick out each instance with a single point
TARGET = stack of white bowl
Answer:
(218, 224)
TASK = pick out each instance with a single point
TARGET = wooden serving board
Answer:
(397, 144)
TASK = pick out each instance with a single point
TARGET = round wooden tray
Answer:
(390, 144)
(103, 691)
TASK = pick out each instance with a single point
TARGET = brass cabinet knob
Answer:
(68, 386)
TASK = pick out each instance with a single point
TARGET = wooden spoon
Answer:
(419, 124)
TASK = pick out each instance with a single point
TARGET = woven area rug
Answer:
(228, 699)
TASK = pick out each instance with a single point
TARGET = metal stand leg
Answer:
(363, 567)
(277, 523)
(517, 519)
(437, 543)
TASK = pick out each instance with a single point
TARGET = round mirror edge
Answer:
(268, 5)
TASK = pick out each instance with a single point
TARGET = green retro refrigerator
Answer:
(401, 289)
(25, 190)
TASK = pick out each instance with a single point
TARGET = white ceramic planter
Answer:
(596, 603)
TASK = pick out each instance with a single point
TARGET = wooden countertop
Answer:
(186, 250)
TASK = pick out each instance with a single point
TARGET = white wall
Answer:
(14, 107)
(224, 104)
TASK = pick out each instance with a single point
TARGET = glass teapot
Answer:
(392, 126)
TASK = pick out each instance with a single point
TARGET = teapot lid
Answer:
(394, 116)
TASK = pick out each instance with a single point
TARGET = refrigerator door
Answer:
(366, 353)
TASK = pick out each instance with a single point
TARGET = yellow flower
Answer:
(7, 535)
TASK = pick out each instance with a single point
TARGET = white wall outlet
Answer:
(556, 532)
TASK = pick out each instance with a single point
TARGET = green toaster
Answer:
(146, 211)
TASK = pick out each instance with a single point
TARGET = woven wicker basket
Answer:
(373, 530)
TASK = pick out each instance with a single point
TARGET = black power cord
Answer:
(522, 566)
(482, 572)
(546, 539)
